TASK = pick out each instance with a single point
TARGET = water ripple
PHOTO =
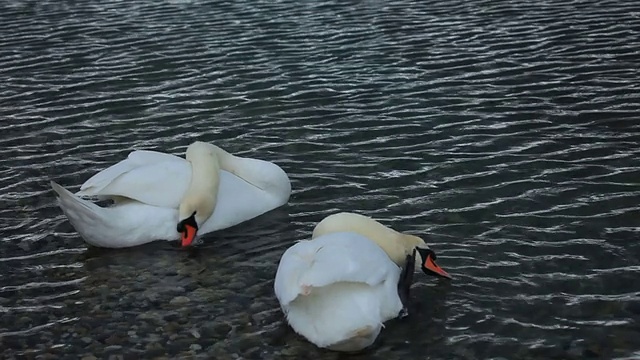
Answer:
(504, 132)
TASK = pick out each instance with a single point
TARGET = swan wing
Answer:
(135, 159)
(149, 177)
(329, 259)
(337, 290)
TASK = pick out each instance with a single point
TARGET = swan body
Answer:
(339, 288)
(153, 191)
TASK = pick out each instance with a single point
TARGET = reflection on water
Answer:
(504, 132)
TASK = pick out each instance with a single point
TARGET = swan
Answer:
(338, 288)
(160, 196)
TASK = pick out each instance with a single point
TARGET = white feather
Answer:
(149, 186)
(149, 177)
(337, 290)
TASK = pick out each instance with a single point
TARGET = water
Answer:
(504, 132)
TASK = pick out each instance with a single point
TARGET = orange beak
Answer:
(188, 234)
(431, 265)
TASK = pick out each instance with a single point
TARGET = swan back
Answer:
(266, 176)
(160, 179)
(395, 244)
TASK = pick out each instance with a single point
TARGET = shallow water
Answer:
(504, 132)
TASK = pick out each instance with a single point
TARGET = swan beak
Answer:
(434, 269)
(188, 234)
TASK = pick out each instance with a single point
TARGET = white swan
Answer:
(160, 196)
(339, 288)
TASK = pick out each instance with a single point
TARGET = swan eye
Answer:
(426, 252)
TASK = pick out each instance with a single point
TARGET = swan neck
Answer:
(395, 244)
(203, 190)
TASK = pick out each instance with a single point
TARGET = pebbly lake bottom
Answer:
(216, 301)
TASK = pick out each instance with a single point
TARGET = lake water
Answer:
(504, 132)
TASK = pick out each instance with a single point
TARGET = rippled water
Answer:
(506, 132)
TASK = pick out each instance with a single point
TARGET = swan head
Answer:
(424, 256)
(199, 201)
(188, 227)
(427, 262)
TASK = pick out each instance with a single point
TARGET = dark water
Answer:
(505, 132)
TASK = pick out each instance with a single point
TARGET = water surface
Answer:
(504, 132)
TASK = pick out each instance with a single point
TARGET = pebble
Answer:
(153, 350)
(215, 330)
(150, 316)
(195, 347)
(153, 346)
(236, 285)
(289, 351)
(246, 342)
(154, 338)
(89, 357)
(116, 314)
(179, 300)
(253, 352)
(151, 296)
(217, 350)
(172, 290)
(46, 357)
(171, 316)
(195, 333)
(81, 330)
(171, 328)
(113, 340)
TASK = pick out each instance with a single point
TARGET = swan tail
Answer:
(74, 204)
(82, 214)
